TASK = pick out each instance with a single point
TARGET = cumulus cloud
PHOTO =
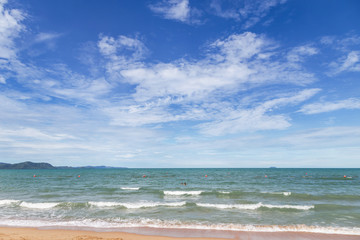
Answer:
(321, 107)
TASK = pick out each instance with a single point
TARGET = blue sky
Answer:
(180, 83)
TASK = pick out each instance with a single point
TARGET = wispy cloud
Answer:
(248, 12)
(346, 53)
(321, 107)
(349, 63)
(299, 53)
(237, 62)
(191, 89)
(222, 101)
(324, 137)
(32, 133)
(2, 80)
(257, 118)
(45, 37)
(216, 6)
(10, 27)
(178, 10)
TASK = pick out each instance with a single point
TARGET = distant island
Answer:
(32, 165)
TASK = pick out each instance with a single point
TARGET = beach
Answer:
(61, 234)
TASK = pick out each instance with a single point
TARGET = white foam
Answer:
(299, 207)
(224, 192)
(116, 224)
(8, 202)
(227, 206)
(280, 193)
(130, 188)
(38, 205)
(179, 193)
(137, 205)
(253, 206)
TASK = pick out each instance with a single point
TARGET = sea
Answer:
(234, 199)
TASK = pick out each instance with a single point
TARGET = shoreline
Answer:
(17, 233)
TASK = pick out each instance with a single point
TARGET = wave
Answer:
(43, 205)
(224, 192)
(48, 205)
(137, 205)
(254, 206)
(278, 193)
(8, 202)
(130, 188)
(116, 224)
(179, 193)
(38, 205)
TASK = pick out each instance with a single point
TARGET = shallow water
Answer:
(310, 200)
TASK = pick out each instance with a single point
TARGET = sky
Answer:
(180, 83)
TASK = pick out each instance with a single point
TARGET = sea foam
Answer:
(38, 205)
(138, 204)
(130, 188)
(253, 206)
(174, 224)
(8, 202)
(179, 193)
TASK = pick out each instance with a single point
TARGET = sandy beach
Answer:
(10, 233)
(57, 234)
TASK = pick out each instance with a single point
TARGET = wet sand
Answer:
(11, 233)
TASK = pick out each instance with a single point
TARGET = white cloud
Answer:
(173, 9)
(258, 118)
(345, 50)
(219, 11)
(321, 107)
(44, 37)
(324, 137)
(109, 46)
(248, 12)
(121, 53)
(184, 90)
(2, 80)
(32, 133)
(239, 61)
(298, 53)
(343, 43)
(10, 27)
(178, 10)
(350, 63)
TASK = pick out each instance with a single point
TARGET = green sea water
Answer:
(309, 200)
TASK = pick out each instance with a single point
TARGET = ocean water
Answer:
(304, 200)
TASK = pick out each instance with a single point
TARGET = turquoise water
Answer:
(310, 200)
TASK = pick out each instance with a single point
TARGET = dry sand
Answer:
(59, 234)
